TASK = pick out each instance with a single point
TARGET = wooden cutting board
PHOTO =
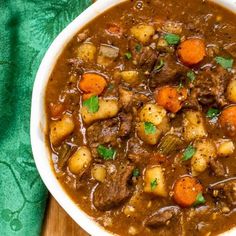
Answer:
(58, 223)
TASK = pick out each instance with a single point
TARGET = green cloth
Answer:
(27, 29)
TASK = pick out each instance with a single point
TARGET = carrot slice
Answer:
(171, 98)
(192, 51)
(92, 83)
(186, 190)
(88, 95)
(227, 120)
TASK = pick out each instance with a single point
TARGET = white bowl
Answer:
(41, 152)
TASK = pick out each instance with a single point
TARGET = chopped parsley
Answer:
(138, 47)
(226, 63)
(172, 39)
(159, 66)
(106, 153)
(188, 153)
(199, 199)
(212, 113)
(92, 104)
(191, 76)
(136, 172)
(149, 128)
(153, 184)
(128, 55)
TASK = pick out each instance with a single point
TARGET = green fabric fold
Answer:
(27, 29)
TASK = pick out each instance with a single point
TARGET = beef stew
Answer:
(141, 110)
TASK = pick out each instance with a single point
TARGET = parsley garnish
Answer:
(188, 153)
(149, 128)
(136, 172)
(159, 66)
(226, 63)
(106, 153)
(199, 199)
(92, 104)
(153, 184)
(191, 76)
(138, 47)
(128, 55)
(172, 39)
(212, 113)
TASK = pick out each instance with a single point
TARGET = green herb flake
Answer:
(212, 113)
(180, 86)
(226, 63)
(138, 47)
(106, 153)
(199, 199)
(189, 152)
(149, 128)
(128, 55)
(153, 184)
(159, 66)
(92, 104)
(172, 39)
(191, 76)
(136, 172)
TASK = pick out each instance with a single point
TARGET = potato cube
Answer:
(60, 129)
(143, 33)
(155, 182)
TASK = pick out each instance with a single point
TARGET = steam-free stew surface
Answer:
(142, 118)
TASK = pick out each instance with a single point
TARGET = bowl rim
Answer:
(40, 150)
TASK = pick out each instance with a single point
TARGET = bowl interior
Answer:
(38, 118)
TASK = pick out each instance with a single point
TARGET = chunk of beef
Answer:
(209, 87)
(125, 124)
(231, 49)
(225, 191)
(170, 72)
(115, 190)
(162, 217)
(103, 131)
(217, 167)
(145, 57)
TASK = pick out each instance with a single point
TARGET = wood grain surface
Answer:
(58, 223)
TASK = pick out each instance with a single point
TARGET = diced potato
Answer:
(152, 113)
(107, 54)
(225, 148)
(107, 109)
(155, 175)
(80, 161)
(99, 173)
(164, 126)
(60, 129)
(143, 33)
(231, 91)
(148, 138)
(86, 52)
(130, 77)
(205, 150)
(125, 97)
(193, 125)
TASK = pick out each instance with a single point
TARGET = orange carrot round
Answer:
(171, 98)
(192, 51)
(227, 120)
(92, 83)
(114, 29)
(186, 190)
